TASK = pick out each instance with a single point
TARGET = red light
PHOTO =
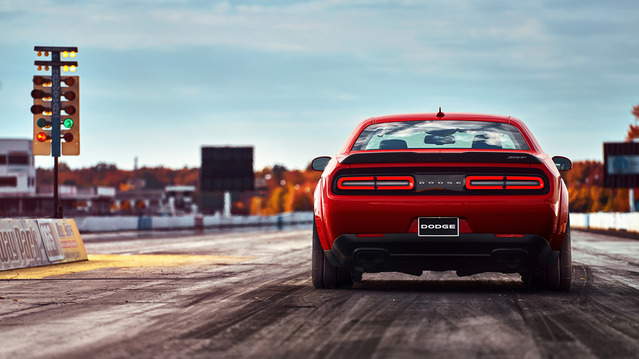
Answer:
(42, 137)
(485, 182)
(376, 183)
(520, 182)
(395, 182)
(362, 183)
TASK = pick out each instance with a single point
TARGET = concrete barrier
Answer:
(37, 242)
(628, 222)
(134, 223)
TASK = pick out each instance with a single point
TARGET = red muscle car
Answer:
(466, 192)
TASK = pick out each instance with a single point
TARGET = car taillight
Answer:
(504, 182)
(520, 182)
(485, 182)
(376, 183)
(395, 182)
(361, 183)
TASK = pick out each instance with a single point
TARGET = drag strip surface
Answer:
(259, 303)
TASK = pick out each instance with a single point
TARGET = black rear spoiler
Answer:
(460, 157)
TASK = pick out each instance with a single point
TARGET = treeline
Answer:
(108, 175)
(283, 190)
(279, 189)
(587, 193)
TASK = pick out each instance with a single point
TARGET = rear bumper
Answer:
(467, 254)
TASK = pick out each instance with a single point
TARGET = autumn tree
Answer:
(633, 131)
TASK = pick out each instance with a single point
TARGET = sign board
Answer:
(621, 164)
(36, 242)
(227, 169)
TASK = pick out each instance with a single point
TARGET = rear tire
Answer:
(565, 262)
(323, 273)
(557, 276)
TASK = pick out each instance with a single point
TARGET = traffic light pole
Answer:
(56, 107)
(55, 131)
(57, 209)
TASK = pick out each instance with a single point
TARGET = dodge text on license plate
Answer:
(438, 227)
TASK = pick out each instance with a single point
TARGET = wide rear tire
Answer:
(557, 276)
(565, 262)
(323, 273)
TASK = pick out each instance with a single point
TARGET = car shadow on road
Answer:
(445, 286)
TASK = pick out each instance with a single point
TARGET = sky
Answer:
(161, 78)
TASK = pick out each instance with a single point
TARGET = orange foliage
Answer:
(586, 191)
(108, 175)
(286, 191)
(633, 131)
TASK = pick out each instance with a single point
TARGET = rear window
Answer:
(478, 135)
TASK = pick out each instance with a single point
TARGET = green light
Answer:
(42, 123)
(68, 123)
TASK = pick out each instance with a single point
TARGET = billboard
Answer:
(227, 169)
(621, 164)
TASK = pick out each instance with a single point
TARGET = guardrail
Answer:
(601, 221)
(628, 222)
(132, 223)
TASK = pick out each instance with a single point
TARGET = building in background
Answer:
(17, 169)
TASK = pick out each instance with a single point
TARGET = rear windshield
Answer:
(479, 135)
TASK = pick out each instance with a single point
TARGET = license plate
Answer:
(438, 227)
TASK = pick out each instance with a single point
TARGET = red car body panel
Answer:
(544, 214)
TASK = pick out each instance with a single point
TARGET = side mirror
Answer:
(319, 163)
(563, 164)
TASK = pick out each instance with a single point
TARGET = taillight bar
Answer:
(504, 182)
(395, 182)
(485, 182)
(361, 183)
(376, 183)
(519, 182)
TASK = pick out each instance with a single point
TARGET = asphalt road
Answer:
(249, 295)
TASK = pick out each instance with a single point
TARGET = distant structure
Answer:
(19, 196)
(226, 174)
(17, 170)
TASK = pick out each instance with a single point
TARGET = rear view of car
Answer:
(464, 192)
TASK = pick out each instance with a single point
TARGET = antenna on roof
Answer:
(440, 114)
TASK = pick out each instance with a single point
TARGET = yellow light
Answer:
(39, 68)
(72, 68)
(65, 68)
(72, 53)
(47, 113)
(46, 68)
(46, 53)
(39, 53)
(65, 54)
(47, 98)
